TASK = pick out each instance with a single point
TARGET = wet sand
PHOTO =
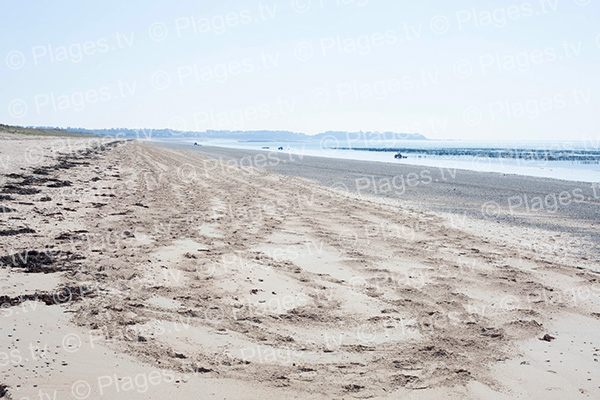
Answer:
(521, 200)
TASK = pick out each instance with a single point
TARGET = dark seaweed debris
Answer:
(61, 296)
(40, 171)
(59, 183)
(40, 174)
(34, 261)
(14, 189)
(34, 180)
(31, 260)
(70, 235)
(12, 232)
(353, 388)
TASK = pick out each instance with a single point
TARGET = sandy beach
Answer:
(133, 270)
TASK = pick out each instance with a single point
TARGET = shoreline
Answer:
(246, 283)
(562, 173)
(490, 196)
(292, 156)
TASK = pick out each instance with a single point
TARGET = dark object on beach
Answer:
(3, 390)
(59, 183)
(353, 388)
(399, 155)
(4, 209)
(32, 261)
(61, 296)
(70, 235)
(64, 236)
(45, 198)
(201, 370)
(12, 232)
(280, 148)
(14, 176)
(548, 338)
(265, 147)
(41, 171)
(34, 180)
(65, 295)
(40, 262)
(13, 189)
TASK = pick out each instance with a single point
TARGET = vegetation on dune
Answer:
(19, 130)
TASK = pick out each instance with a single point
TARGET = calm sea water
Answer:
(479, 160)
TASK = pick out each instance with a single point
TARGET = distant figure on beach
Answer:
(399, 155)
(280, 148)
(196, 144)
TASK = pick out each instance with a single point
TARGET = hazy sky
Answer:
(446, 69)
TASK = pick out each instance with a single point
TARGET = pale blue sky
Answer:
(460, 69)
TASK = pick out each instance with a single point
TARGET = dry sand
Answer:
(176, 279)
